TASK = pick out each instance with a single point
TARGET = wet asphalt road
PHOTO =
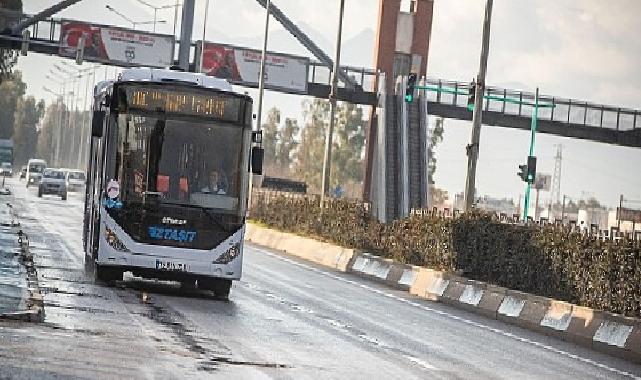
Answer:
(286, 319)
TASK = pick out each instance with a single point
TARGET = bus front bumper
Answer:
(168, 267)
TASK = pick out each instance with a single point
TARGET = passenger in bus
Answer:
(217, 183)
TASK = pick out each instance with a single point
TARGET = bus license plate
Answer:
(169, 265)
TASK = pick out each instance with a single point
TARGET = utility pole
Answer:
(261, 77)
(202, 46)
(477, 117)
(530, 180)
(327, 162)
(186, 28)
(563, 209)
(619, 212)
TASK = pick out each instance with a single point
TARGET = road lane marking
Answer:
(452, 316)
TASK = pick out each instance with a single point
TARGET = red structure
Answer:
(403, 38)
(402, 46)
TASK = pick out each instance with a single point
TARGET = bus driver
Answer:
(217, 183)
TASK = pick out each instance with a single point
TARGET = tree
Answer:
(11, 91)
(8, 57)
(436, 137)
(437, 196)
(287, 145)
(270, 139)
(47, 136)
(308, 164)
(27, 116)
(348, 147)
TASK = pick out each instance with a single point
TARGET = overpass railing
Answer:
(569, 111)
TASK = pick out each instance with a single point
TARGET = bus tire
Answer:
(107, 274)
(219, 286)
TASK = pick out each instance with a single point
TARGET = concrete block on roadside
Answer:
(510, 308)
(613, 333)
(372, 266)
(533, 312)
(359, 264)
(383, 269)
(583, 325)
(408, 277)
(419, 286)
(453, 291)
(472, 295)
(394, 275)
(633, 345)
(558, 316)
(491, 301)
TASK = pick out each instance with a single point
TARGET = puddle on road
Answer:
(211, 353)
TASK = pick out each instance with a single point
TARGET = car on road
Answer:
(34, 171)
(6, 169)
(75, 180)
(53, 182)
(23, 172)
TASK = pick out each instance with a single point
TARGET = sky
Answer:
(580, 49)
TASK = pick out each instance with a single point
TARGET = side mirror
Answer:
(258, 154)
(97, 123)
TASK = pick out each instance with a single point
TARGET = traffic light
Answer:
(471, 96)
(409, 90)
(522, 172)
(531, 168)
(528, 172)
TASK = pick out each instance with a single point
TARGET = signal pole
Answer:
(473, 148)
(327, 162)
(186, 29)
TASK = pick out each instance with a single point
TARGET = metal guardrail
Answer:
(365, 78)
(565, 111)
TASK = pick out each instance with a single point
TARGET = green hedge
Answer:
(550, 261)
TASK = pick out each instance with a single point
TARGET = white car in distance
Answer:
(76, 180)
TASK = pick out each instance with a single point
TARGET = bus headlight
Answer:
(231, 254)
(114, 242)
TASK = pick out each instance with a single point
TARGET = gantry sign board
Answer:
(117, 46)
(628, 214)
(241, 66)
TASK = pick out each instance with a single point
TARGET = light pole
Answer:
(56, 155)
(327, 162)
(202, 47)
(134, 23)
(156, 9)
(473, 148)
(261, 75)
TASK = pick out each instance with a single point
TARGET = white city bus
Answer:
(168, 178)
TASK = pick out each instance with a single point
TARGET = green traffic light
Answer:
(409, 98)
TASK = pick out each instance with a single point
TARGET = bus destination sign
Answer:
(183, 102)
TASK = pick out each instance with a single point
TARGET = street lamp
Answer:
(156, 9)
(134, 23)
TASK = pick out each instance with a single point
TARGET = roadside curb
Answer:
(610, 333)
(35, 302)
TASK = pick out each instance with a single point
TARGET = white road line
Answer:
(454, 317)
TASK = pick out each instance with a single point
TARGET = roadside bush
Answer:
(551, 261)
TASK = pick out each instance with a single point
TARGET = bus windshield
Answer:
(179, 161)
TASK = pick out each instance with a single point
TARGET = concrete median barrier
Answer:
(613, 334)
(309, 249)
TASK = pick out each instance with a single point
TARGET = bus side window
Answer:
(162, 183)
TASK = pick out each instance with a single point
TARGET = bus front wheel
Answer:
(107, 274)
(220, 287)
